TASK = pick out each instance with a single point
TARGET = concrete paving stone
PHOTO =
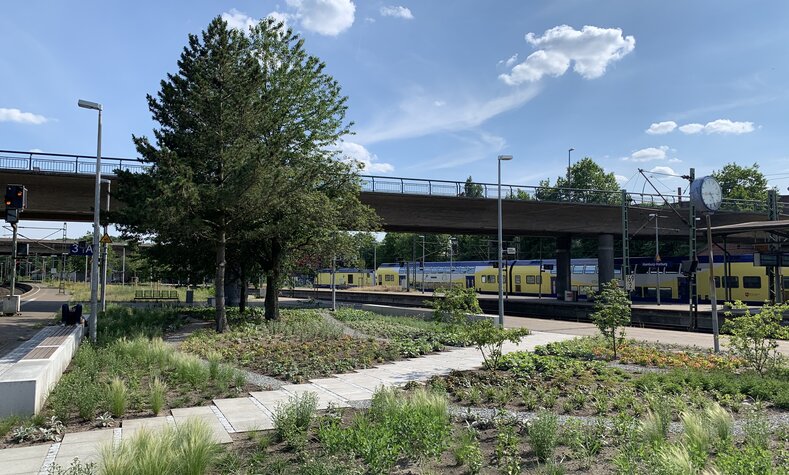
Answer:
(353, 394)
(205, 414)
(270, 399)
(23, 460)
(131, 426)
(86, 452)
(102, 435)
(324, 398)
(363, 381)
(244, 415)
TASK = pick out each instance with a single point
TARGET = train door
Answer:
(469, 281)
(683, 294)
(553, 285)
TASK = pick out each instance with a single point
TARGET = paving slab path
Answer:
(255, 411)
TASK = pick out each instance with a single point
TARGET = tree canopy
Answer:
(585, 174)
(742, 183)
(245, 160)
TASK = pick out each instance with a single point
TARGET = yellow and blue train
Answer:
(736, 279)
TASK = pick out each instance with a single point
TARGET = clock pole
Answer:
(713, 296)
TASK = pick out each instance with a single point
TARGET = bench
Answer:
(156, 295)
(29, 372)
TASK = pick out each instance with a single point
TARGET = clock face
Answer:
(711, 193)
(706, 194)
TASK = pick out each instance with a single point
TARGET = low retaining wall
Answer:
(28, 373)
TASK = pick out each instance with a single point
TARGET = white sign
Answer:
(511, 251)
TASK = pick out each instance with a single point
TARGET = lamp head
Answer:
(571, 150)
(89, 105)
(505, 157)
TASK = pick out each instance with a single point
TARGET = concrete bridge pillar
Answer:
(563, 270)
(605, 259)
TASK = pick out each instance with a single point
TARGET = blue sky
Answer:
(438, 89)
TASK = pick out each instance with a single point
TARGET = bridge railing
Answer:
(63, 163)
(82, 164)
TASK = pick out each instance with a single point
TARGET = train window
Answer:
(492, 279)
(717, 282)
(539, 279)
(590, 270)
(350, 278)
(752, 282)
(786, 282)
(389, 277)
(733, 282)
(484, 279)
(517, 280)
(578, 269)
(530, 279)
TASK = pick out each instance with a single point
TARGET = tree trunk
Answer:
(219, 285)
(272, 297)
(242, 301)
(272, 282)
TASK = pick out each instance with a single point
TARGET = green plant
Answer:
(508, 456)
(489, 339)
(675, 459)
(748, 460)
(105, 420)
(467, 452)
(543, 435)
(753, 335)
(454, 305)
(552, 468)
(117, 396)
(187, 449)
(721, 425)
(158, 395)
(292, 419)
(612, 311)
(214, 359)
(757, 428)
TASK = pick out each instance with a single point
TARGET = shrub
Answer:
(543, 435)
(454, 305)
(748, 460)
(508, 456)
(117, 396)
(612, 311)
(489, 339)
(753, 336)
(292, 419)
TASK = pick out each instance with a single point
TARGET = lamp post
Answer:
(451, 254)
(569, 151)
(375, 263)
(94, 272)
(423, 263)
(657, 255)
(501, 240)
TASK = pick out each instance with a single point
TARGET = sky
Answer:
(439, 89)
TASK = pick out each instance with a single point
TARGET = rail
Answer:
(82, 164)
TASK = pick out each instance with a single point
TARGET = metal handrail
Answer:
(52, 162)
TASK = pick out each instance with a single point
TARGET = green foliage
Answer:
(585, 175)
(413, 425)
(402, 328)
(467, 451)
(742, 183)
(454, 305)
(158, 395)
(753, 335)
(292, 419)
(748, 460)
(612, 311)
(117, 396)
(543, 433)
(187, 449)
(471, 189)
(489, 339)
(508, 457)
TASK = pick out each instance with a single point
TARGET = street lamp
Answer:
(501, 239)
(568, 166)
(423, 263)
(94, 272)
(657, 255)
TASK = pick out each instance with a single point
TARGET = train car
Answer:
(430, 276)
(344, 277)
(530, 277)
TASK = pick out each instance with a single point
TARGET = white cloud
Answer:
(509, 61)
(648, 154)
(397, 12)
(725, 126)
(590, 50)
(417, 115)
(369, 161)
(35, 150)
(621, 179)
(284, 18)
(661, 169)
(675, 160)
(691, 128)
(439, 103)
(239, 20)
(16, 115)
(325, 17)
(660, 128)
